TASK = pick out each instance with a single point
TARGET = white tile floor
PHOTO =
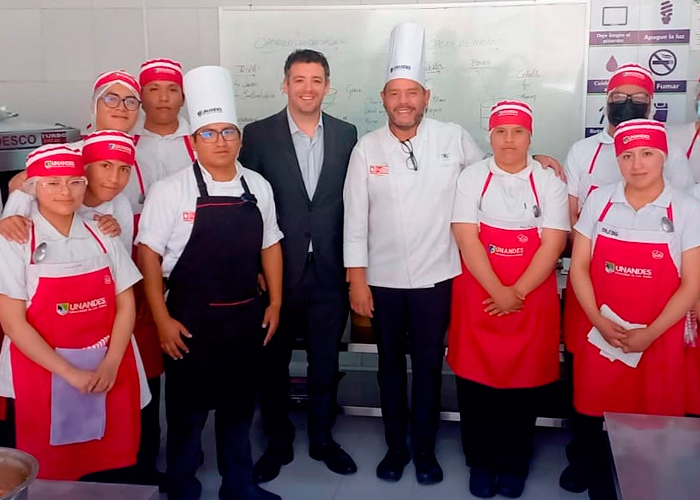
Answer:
(362, 437)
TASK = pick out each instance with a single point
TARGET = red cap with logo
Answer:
(160, 70)
(109, 78)
(55, 160)
(632, 74)
(109, 145)
(511, 113)
(640, 133)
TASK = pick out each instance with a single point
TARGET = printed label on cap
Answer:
(120, 147)
(407, 67)
(635, 137)
(59, 164)
(209, 111)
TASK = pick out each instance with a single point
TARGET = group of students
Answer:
(431, 235)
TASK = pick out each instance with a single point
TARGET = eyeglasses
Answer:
(229, 134)
(55, 187)
(411, 161)
(131, 103)
(621, 98)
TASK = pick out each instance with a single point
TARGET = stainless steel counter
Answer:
(656, 458)
(70, 490)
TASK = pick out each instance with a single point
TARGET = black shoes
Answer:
(482, 482)
(572, 481)
(334, 457)
(251, 492)
(428, 470)
(392, 465)
(510, 485)
(269, 464)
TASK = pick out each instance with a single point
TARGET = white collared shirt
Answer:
(648, 218)
(683, 136)
(169, 213)
(510, 196)
(606, 170)
(20, 203)
(397, 221)
(79, 245)
(158, 156)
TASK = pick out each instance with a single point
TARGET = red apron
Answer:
(74, 306)
(574, 317)
(692, 354)
(145, 329)
(634, 273)
(517, 350)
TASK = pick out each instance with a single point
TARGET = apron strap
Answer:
(595, 157)
(534, 189)
(139, 177)
(247, 197)
(99, 241)
(692, 143)
(32, 246)
(605, 211)
(188, 146)
(201, 185)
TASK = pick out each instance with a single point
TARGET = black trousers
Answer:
(414, 322)
(184, 444)
(150, 430)
(498, 425)
(590, 456)
(319, 315)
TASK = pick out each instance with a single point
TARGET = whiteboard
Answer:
(476, 55)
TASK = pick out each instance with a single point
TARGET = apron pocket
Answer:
(77, 417)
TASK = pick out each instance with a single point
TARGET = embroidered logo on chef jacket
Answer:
(657, 254)
(628, 272)
(382, 169)
(188, 216)
(505, 251)
(64, 308)
(445, 157)
(522, 238)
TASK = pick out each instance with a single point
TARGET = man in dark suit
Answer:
(304, 155)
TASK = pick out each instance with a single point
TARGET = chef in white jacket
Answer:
(400, 254)
(686, 136)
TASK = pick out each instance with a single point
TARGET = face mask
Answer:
(618, 113)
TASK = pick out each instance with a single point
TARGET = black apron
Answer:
(213, 293)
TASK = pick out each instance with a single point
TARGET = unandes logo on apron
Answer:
(64, 308)
(626, 271)
(506, 252)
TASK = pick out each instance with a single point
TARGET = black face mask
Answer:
(618, 113)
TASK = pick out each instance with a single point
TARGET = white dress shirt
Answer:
(20, 203)
(684, 136)
(606, 170)
(169, 213)
(397, 220)
(648, 218)
(157, 156)
(510, 196)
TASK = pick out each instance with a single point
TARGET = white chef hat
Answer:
(210, 98)
(407, 53)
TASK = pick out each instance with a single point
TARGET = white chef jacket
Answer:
(606, 170)
(169, 213)
(157, 157)
(648, 218)
(683, 135)
(20, 203)
(397, 221)
(510, 196)
(79, 245)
